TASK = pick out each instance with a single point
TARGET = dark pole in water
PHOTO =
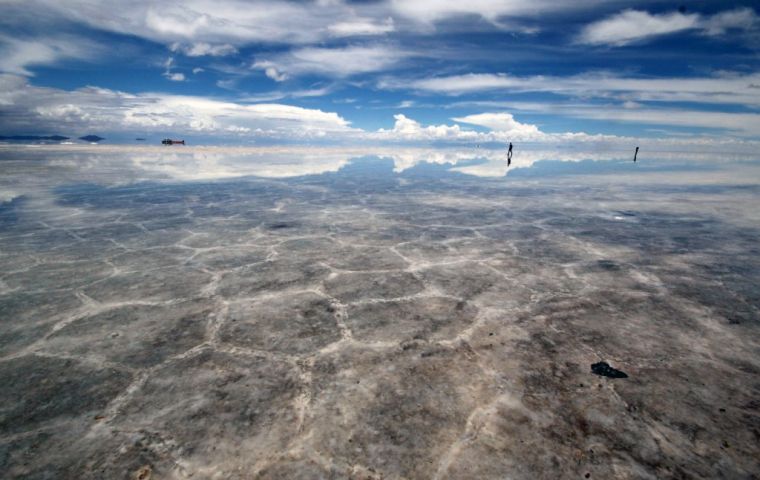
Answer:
(635, 154)
(509, 155)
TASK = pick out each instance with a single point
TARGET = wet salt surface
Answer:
(315, 313)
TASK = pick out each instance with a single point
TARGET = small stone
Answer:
(604, 369)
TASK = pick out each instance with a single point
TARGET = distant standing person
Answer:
(509, 155)
(635, 154)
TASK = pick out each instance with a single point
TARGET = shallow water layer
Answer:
(381, 314)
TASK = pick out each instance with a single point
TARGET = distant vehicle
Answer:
(169, 141)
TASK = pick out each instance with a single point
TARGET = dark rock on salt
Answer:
(604, 369)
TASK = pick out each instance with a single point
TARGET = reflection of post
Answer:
(509, 155)
(635, 154)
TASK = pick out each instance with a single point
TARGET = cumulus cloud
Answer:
(502, 128)
(630, 26)
(25, 108)
(407, 129)
(334, 62)
(501, 122)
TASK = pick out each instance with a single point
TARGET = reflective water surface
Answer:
(389, 313)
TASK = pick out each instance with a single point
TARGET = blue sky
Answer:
(424, 71)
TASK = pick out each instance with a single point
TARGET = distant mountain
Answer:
(91, 138)
(140, 139)
(35, 138)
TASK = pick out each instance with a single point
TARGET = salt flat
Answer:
(337, 313)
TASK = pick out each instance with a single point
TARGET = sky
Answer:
(422, 72)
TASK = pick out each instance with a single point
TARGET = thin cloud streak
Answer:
(735, 88)
(631, 26)
(742, 124)
(331, 62)
(18, 55)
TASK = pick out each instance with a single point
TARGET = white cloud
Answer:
(27, 108)
(740, 18)
(198, 70)
(407, 129)
(457, 84)
(229, 84)
(272, 73)
(277, 94)
(630, 26)
(727, 88)
(634, 25)
(501, 122)
(242, 22)
(173, 76)
(204, 49)
(18, 54)
(361, 27)
(429, 11)
(334, 62)
(502, 128)
(270, 70)
(24, 107)
(737, 123)
(207, 22)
